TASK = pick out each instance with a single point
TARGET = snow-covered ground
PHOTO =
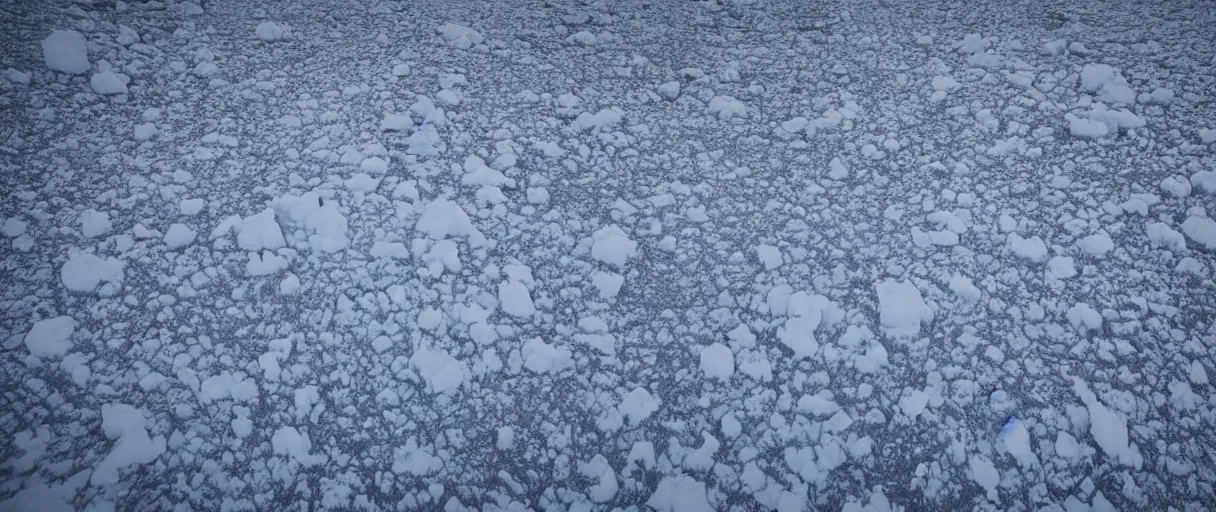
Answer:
(669, 255)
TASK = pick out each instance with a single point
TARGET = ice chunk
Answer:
(608, 283)
(945, 83)
(1084, 318)
(1017, 443)
(541, 357)
(506, 438)
(51, 337)
(726, 107)
(270, 31)
(320, 219)
(638, 405)
(94, 223)
(515, 299)
(1201, 230)
(669, 90)
(1086, 128)
(769, 256)
(260, 231)
(1032, 248)
(179, 235)
(459, 36)
(612, 246)
(679, 493)
(717, 361)
(605, 118)
(600, 472)
(264, 263)
(1094, 76)
(1097, 244)
(108, 82)
(443, 218)
(1204, 181)
(964, 288)
(984, 473)
(128, 425)
(85, 272)
(902, 310)
(13, 227)
(1177, 186)
(396, 122)
(442, 372)
(1197, 374)
(1061, 267)
(289, 441)
(40, 498)
(66, 51)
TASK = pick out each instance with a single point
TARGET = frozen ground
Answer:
(667, 255)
